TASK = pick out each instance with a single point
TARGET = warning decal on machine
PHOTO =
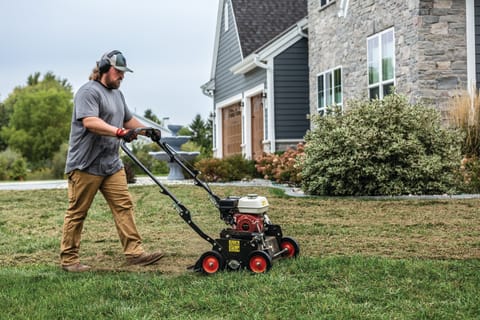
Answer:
(233, 246)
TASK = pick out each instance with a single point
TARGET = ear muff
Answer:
(104, 63)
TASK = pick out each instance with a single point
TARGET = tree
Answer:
(202, 133)
(4, 118)
(151, 116)
(40, 118)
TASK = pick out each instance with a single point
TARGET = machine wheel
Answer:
(211, 262)
(259, 262)
(291, 245)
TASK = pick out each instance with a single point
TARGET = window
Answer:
(329, 86)
(225, 17)
(381, 64)
(323, 3)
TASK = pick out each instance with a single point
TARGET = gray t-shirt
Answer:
(95, 154)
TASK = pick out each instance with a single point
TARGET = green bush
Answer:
(58, 162)
(232, 168)
(12, 165)
(141, 151)
(284, 167)
(470, 175)
(212, 169)
(41, 174)
(381, 147)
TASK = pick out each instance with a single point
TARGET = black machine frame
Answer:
(233, 249)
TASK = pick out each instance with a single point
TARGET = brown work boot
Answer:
(145, 259)
(77, 267)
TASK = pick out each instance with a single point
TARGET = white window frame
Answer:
(375, 60)
(328, 88)
(324, 3)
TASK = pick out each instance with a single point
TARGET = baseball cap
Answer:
(116, 59)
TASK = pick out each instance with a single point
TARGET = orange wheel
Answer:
(211, 262)
(292, 247)
(259, 262)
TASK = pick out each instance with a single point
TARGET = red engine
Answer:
(248, 222)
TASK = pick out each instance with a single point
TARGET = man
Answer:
(100, 119)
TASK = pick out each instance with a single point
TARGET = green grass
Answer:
(308, 288)
(360, 259)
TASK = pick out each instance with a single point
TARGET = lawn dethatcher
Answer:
(250, 241)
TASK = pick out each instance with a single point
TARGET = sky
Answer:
(168, 44)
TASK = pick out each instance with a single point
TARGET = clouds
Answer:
(168, 44)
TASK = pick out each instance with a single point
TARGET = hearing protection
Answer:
(104, 64)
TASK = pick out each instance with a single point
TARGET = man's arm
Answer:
(133, 123)
(98, 126)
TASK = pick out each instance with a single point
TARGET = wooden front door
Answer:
(232, 130)
(257, 126)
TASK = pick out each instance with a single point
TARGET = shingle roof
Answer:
(259, 21)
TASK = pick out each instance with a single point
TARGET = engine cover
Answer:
(248, 222)
(252, 204)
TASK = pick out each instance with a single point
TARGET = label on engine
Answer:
(233, 245)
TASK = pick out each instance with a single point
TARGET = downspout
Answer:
(471, 63)
(271, 134)
(342, 10)
(470, 35)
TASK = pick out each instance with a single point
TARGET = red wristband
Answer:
(120, 132)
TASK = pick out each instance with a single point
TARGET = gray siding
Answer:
(477, 42)
(226, 83)
(291, 88)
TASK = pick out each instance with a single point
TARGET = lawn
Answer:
(360, 259)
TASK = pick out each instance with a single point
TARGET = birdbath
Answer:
(175, 142)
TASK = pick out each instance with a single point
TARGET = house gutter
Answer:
(208, 88)
(258, 63)
(300, 31)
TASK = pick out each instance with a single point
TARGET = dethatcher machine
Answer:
(250, 241)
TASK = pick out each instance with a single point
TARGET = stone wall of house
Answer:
(430, 45)
(441, 51)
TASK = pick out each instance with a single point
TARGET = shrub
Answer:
(284, 167)
(381, 147)
(41, 174)
(231, 168)
(12, 165)
(58, 162)
(470, 175)
(141, 151)
(213, 170)
(465, 115)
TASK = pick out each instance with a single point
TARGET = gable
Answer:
(259, 21)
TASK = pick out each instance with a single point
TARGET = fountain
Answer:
(175, 141)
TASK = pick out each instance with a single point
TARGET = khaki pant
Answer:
(82, 188)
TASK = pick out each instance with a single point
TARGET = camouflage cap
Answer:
(116, 59)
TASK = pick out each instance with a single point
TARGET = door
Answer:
(232, 130)
(257, 126)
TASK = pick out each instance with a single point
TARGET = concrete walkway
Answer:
(141, 181)
(291, 191)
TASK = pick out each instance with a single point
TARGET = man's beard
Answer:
(113, 83)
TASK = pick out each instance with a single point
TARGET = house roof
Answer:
(259, 21)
